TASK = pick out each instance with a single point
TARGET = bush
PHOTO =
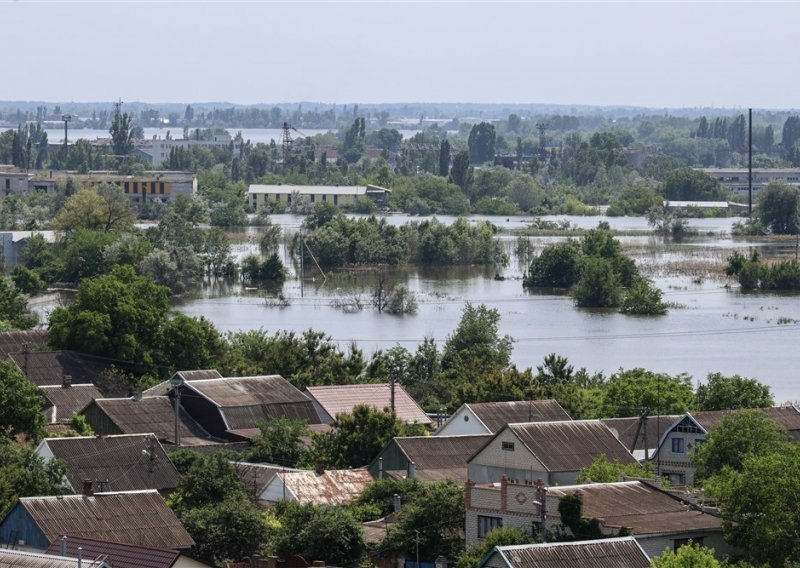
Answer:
(26, 280)
(599, 285)
(643, 299)
(558, 266)
(401, 301)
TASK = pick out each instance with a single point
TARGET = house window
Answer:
(312, 198)
(678, 446)
(161, 187)
(508, 446)
(336, 200)
(8, 183)
(675, 479)
(485, 524)
(324, 197)
(678, 542)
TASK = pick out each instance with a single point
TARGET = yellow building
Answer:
(340, 195)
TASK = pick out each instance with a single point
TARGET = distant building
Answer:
(490, 417)
(14, 241)
(735, 179)
(343, 196)
(332, 400)
(157, 150)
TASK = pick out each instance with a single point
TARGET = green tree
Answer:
(688, 184)
(778, 207)
(570, 508)
(101, 208)
(603, 471)
(476, 341)
(557, 266)
(24, 474)
(14, 313)
(20, 404)
(444, 158)
(461, 173)
(188, 343)
(629, 392)
(26, 280)
(380, 494)
(727, 393)
(501, 536)
(687, 556)
(481, 142)
(121, 131)
(279, 442)
(84, 254)
(642, 298)
(599, 285)
(209, 481)
(738, 436)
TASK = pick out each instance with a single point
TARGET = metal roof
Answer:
(161, 389)
(440, 457)
(625, 429)
(127, 463)
(136, 517)
(119, 555)
(307, 189)
(256, 476)
(153, 414)
(638, 506)
(22, 559)
(341, 399)
(15, 341)
(332, 487)
(495, 415)
(49, 368)
(63, 401)
(570, 445)
(786, 416)
(604, 553)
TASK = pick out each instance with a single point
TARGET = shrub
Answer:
(599, 285)
(643, 299)
(557, 266)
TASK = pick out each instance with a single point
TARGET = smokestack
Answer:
(137, 394)
(412, 470)
(66, 381)
(87, 488)
(319, 467)
(80, 556)
(380, 468)
(62, 546)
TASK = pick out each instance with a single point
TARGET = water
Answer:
(716, 329)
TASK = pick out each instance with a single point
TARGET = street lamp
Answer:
(177, 382)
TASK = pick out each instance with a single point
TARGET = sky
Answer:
(654, 54)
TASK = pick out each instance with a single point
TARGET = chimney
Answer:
(380, 468)
(412, 470)
(319, 467)
(137, 394)
(62, 546)
(66, 381)
(87, 488)
(396, 502)
(80, 556)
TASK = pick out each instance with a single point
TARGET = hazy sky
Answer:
(625, 53)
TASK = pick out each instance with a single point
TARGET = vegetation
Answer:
(726, 393)
(687, 556)
(603, 471)
(501, 536)
(753, 274)
(778, 208)
(24, 474)
(20, 405)
(279, 442)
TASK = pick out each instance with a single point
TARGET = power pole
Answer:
(66, 118)
(287, 145)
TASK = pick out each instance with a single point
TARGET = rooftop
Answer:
(21, 559)
(161, 389)
(341, 399)
(332, 487)
(63, 401)
(495, 415)
(50, 367)
(119, 555)
(315, 189)
(441, 457)
(605, 553)
(15, 341)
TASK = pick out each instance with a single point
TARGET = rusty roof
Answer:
(638, 506)
(256, 476)
(23, 559)
(625, 429)
(15, 341)
(570, 445)
(125, 463)
(153, 414)
(63, 401)
(135, 517)
(495, 415)
(604, 553)
(332, 487)
(161, 389)
(245, 401)
(341, 399)
(441, 457)
(119, 555)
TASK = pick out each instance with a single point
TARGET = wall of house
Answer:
(496, 561)
(677, 466)
(656, 544)
(20, 528)
(276, 491)
(100, 422)
(493, 462)
(204, 412)
(463, 422)
(515, 504)
(393, 460)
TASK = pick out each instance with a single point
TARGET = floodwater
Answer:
(713, 328)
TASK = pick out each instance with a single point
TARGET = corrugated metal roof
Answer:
(161, 389)
(786, 416)
(341, 399)
(495, 415)
(604, 553)
(256, 476)
(15, 341)
(307, 189)
(153, 414)
(571, 445)
(127, 463)
(625, 429)
(119, 555)
(441, 457)
(49, 367)
(637, 506)
(21, 559)
(138, 517)
(63, 401)
(333, 487)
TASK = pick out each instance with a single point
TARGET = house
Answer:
(61, 401)
(164, 388)
(672, 458)
(332, 400)
(157, 150)
(219, 405)
(657, 519)
(489, 417)
(554, 452)
(427, 458)
(256, 476)
(49, 368)
(121, 555)
(343, 196)
(640, 434)
(133, 517)
(622, 552)
(13, 242)
(145, 415)
(736, 179)
(19, 341)
(156, 185)
(321, 487)
(23, 559)
(127, 462)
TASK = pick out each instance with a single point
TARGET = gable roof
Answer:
(638, 506)
(625, 429)
(256, 476)
(341, 399)
(440, 457)
(126, 463)
(570, 445)
(495, 415)
(63, 401)
(245, 401)
(161, 389)
(49, 367)
(604, 553)
(332, 487)
(153, 414)
(23, 559)
(120, 555)
(15, 341)
(135, 517)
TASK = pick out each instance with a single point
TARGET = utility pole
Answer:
(416, 531)
(177, 382)
(302, 254)
(66, 118)
(750, 165)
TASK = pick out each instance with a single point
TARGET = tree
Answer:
(26, 280)
(599, 285)
(728, 393)
(476, 341)
(603, 471)
(791, 132)
(740, 434)
(461, 172)
(501, 536)
(20, 404)
(279, 442)
(688, 184)
(14, 313)
(759, 505)
(481, 143)
(558, 266)
(643, 298)
(102, 208)
(629, 392)
(121, 131)
(24, 474)
(778, 207)
(687, 556)
(444, 158)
